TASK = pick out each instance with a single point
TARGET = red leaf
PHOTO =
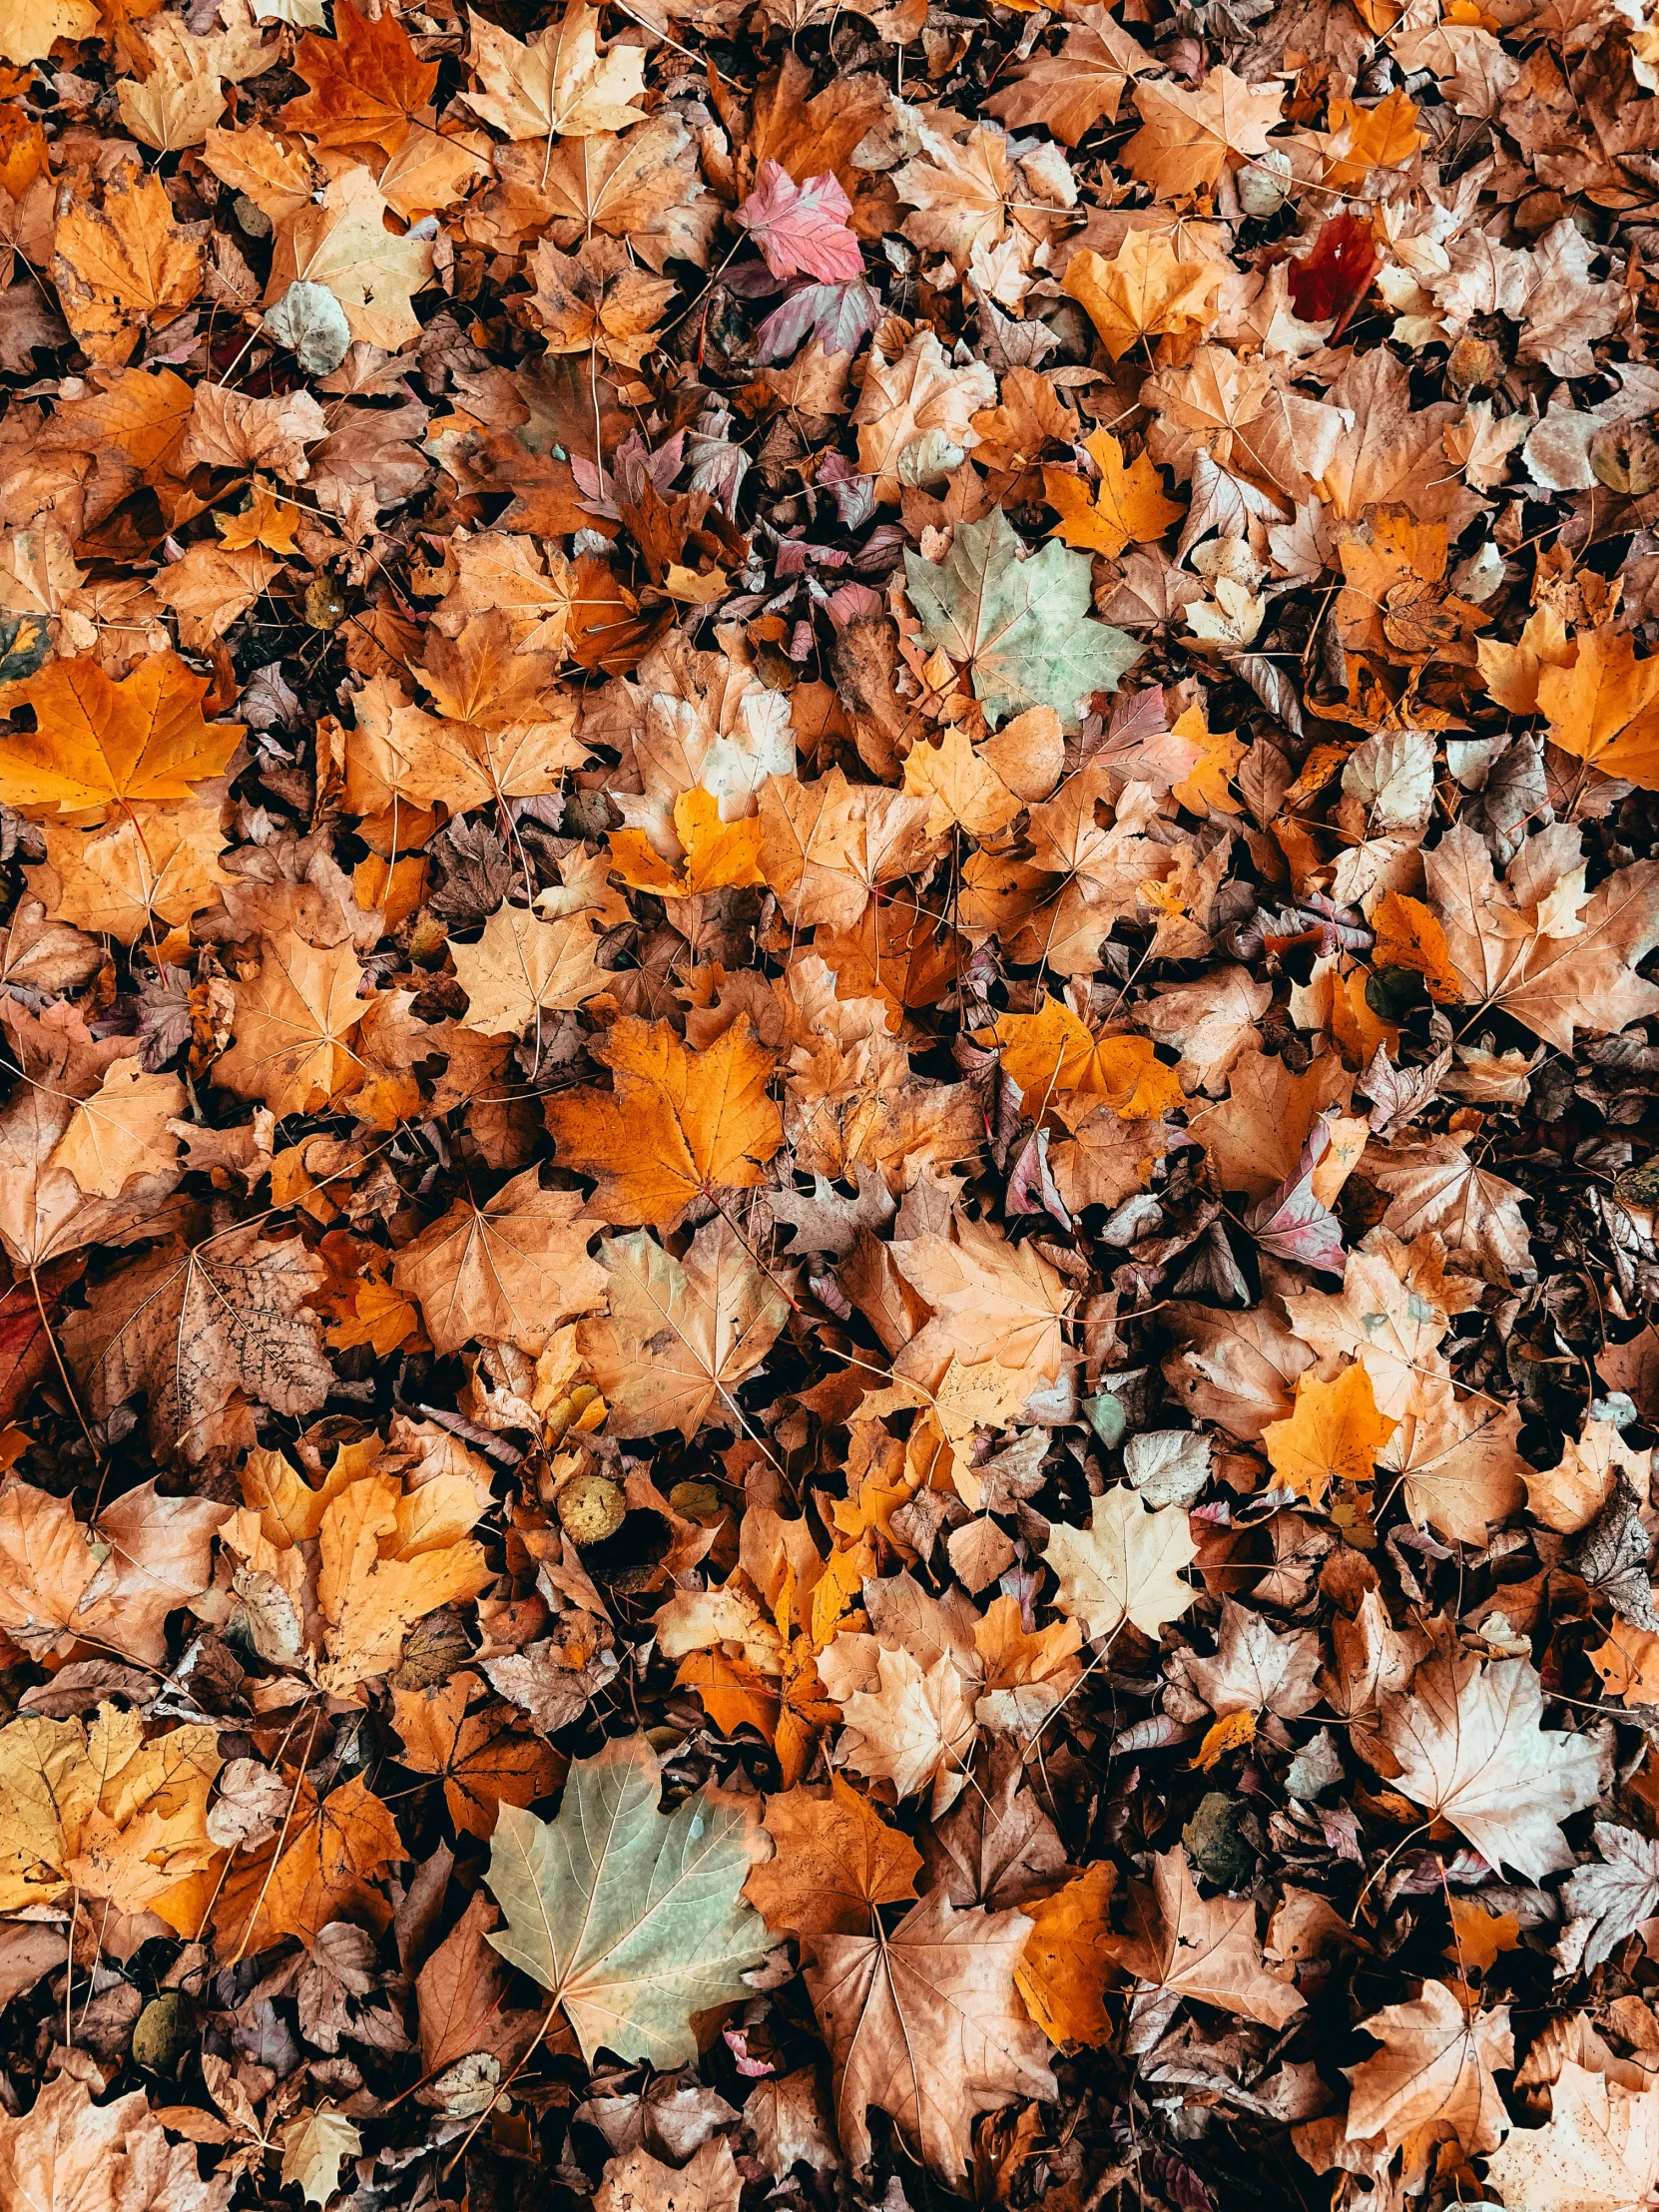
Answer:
(1331, 281)
(801, 230)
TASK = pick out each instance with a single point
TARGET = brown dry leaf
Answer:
(486, 1758)
(1185, 1945)
(366, 81)
(834, 1861)
(559, 85)
(203, 1334)
(1437, 2064)
(1187, 138)
(123, 268)
(1599, 2151)
(1079, 86)
(514, 1269)
(1469, 1748)
(293, 1025)
(925, 2024)
(681, 1335)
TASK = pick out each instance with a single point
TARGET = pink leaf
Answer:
(802, 228)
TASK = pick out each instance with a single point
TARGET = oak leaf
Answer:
(676, 1126)
(925, 2024)
(632, 1920)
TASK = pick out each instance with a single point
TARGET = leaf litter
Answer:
(830, 872)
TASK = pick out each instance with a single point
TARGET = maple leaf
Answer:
(1082, 84)
(103, 1810)
(123, 268)
(1459, 1458)
(915, 414)
(1602, 706)
(200, 1333)
(67, 2154)
(313, 1871)
(293, 1027)
(559, 85)
(827, 847)
(341, 245)
(1020, 626)
(834, 1861)
(638, 2182)
(313, 2147)
(924, 2023)
(1329, 284)
(1186, 138)
(681, 1335)
(631, 1919)
(677, 1124)
(801, 230)
(1144, 289)
(1334, 1435)
(121, 1130)
(99, 744)
(1437, 2064)
(1051, 1051)
(1125, 1566)
(1204, 1948)
(1255, 1670)
(513, 1269)
(485, 1760)
(1598, 2152)
(717, 854)
(523, 967)
(1470, 1749)
(1067, 1963)
(1127, 504)
(366, 83)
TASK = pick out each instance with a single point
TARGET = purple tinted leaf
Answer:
(1291, 1222)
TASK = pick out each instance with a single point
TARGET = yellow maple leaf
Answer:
(1220, 752)
(293, 1025)
(123, 268)
(1334, 1433)
(1051, 1050)
(676, 1124)
(1127, 504)
(98, 745)
(1144, 291)
(1384, 137)
(1604, 706)
(718, 853)
(267, 521)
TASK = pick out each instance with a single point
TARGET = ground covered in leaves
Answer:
(828, 840)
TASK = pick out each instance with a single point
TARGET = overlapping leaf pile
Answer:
(829, 838)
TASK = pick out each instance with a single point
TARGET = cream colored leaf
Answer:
(1125, 1566)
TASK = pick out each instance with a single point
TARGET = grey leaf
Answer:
(311, 323)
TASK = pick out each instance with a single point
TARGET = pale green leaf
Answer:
(1024, 626)
(631, 1918)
